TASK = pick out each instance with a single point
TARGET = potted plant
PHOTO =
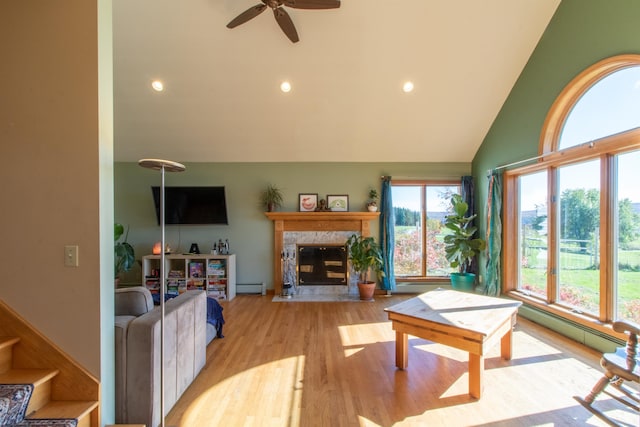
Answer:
(460, 246)
(271, 198)
(365, 255)
(124, 255)
(372, 203)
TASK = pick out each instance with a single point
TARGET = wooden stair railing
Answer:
(62, 388)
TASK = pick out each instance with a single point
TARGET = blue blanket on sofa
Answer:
(214, 315)
(214, 311)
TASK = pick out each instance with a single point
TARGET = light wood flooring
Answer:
(333, 364)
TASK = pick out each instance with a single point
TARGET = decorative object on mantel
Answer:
(460, 246)
(307, 202)
(338, 202)
(272, 198)
(372, 204)
(322, 206)
(365, 254)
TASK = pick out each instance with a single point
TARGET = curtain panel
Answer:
(387, 237)
(494, 235)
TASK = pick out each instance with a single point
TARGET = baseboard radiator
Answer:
(576, 331)
(252, 288)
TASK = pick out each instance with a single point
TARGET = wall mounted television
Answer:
(192, 205)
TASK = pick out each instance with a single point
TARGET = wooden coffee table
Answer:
(466, 321)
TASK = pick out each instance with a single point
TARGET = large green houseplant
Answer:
(365, 255)
(124, 255)
(461, 247)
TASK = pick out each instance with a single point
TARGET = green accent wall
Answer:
(581, 33)
(250, 232)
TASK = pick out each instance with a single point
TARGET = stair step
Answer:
(27, 376)
(6, 352)
(77, 409)
(8, 341)
(41, 380)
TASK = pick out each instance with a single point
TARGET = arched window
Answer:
(578, 208)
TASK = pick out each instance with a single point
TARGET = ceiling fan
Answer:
(282, 17)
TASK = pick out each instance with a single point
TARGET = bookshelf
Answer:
(215, 274)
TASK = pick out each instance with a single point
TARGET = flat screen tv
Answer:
(192, 205)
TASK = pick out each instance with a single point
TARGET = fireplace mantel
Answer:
(313, 221)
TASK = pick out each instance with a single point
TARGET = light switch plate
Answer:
(71, 255)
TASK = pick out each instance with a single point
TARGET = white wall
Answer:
(50, 169)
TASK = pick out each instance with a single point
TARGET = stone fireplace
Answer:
(293, 230)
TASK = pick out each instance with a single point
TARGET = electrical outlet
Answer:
(71, 255)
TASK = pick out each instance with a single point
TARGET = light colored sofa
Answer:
(137, 346)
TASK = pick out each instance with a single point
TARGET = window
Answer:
(420, 209)
(578, 223)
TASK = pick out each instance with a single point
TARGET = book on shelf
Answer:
(196, 269)
(176, 273)
(220, 296)
(195, 284)
(216, 268)
(217, 281)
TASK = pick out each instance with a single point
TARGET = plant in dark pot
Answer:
(365, 255)
(461, 246)
(124, 255)
(271, 198)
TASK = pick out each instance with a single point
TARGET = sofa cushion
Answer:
(133, 301)
(122, 325)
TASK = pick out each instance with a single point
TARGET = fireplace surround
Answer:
(291, 229)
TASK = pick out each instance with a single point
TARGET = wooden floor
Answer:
(333, 364)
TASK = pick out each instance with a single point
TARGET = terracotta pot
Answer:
(366, 290)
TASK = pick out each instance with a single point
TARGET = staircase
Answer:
(62, 389)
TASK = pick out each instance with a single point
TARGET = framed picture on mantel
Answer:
(308, 202)
(338, 202)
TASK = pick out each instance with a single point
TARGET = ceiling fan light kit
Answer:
(280, 14)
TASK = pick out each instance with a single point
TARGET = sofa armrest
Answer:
(134, 301)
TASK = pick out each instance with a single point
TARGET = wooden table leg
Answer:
(506, 344)
(476, 371)
(402, 350)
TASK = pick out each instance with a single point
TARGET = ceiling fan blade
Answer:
(246, 15)
(312, 4)
(285, 22)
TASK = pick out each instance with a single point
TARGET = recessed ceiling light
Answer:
(407, 87)
(157, 85)
(285, 87)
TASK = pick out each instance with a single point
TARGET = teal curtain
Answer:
(387, 238)
(494, 235)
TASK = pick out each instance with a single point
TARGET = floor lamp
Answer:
(162, 166)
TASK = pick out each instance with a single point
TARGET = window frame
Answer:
(550, 160)
(424, 183)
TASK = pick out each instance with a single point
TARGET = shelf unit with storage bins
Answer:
(214, 273)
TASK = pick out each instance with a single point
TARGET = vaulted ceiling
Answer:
(222, 100)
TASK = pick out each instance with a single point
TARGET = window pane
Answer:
(627, 273)
(533, 234)
(610, 106)
(407, 204)
(438, 206)
(579, 216)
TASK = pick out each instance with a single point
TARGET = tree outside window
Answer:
(420, 209)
